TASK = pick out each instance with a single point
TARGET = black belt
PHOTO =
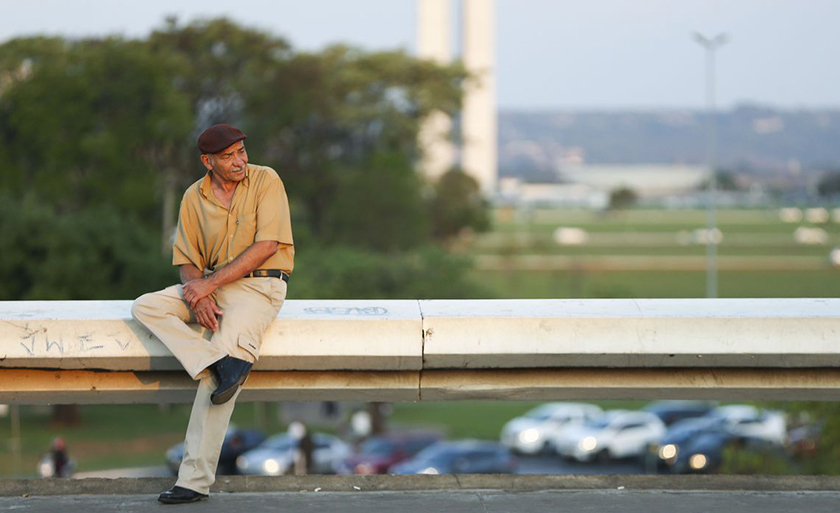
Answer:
(268, 273)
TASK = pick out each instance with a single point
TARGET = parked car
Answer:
(750, 422)
(531, 433)
(276, 456)
(619, 434)
(237, 440)
(704, 453)
(673, 411)
(461, 457)
(377, 454)
(662, 455)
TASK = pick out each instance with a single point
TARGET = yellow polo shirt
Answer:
(210, 236)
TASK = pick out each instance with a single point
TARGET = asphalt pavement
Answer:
(445, 501)
(538, 464)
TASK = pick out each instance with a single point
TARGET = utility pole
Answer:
(711, 45)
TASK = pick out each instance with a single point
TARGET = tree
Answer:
(829, 184)
(457, 204)
(329, 122)
(217, 65)
(98, 136)
(378, 206)
(87, 123)
(339, 112)
(622, 198)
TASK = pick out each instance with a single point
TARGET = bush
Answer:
(349, 273)
(94, 254)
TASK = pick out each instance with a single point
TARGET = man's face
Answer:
(229, 164)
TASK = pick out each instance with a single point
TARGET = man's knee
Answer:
(143, 306)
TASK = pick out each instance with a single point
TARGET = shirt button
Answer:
(237, 221)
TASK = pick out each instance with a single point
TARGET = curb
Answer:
(361, 484)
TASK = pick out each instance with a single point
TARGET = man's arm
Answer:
(250, 259)
(189, 273)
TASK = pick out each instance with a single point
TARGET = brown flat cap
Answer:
(218, 137)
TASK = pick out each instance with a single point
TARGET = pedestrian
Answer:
(235, 252)
(304, 447)
(61, 464)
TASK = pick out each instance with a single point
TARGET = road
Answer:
(541, 464)
(459, 501)
(552, 464)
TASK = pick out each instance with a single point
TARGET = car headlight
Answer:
(364, 468)
(429, 470)
(271, 466)
(668, 452)
(697, 462)
(45, 469)
(588, 444)
(529, 436)
(242, 462)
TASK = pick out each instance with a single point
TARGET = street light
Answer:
(711, 45)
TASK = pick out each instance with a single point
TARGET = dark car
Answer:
(462, 457)
(679, 438)
(704, 453)
(377, 454)
(673, 411)
(237, 441)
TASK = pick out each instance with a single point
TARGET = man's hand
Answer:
(206, 311)
(196, 290)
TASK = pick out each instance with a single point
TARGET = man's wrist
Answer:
(212, 280)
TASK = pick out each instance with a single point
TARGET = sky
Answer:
(551, 54)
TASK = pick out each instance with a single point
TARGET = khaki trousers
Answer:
(248, 305)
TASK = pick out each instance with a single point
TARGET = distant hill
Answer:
(750, 138)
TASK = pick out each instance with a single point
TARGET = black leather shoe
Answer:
(231, 373)
(180, 495)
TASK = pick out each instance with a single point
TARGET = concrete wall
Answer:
(92, 351)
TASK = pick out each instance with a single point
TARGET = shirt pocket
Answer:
(244, 233)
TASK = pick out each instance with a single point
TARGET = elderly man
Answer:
(235, 252)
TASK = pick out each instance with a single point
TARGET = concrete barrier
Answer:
(648, 333)
(307, 335)
(92, 351)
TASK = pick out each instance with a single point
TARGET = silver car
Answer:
(276, 456)
(532, 432)
(619, 434)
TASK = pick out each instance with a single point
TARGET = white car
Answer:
(749, 421)
(276, 455)
(618, 434)
(530, 433)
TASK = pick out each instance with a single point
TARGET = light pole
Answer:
(711, 45)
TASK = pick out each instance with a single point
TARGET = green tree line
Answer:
(97, 144)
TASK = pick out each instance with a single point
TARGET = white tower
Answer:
(478, 119)
(434, 42)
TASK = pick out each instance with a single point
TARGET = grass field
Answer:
(518, 258)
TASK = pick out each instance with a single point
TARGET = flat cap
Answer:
(218, 137)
